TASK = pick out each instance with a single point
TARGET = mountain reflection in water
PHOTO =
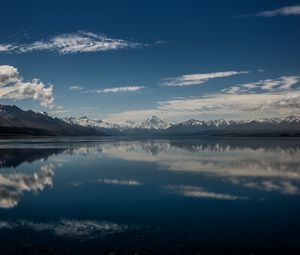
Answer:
(92, 190)
(264, 165)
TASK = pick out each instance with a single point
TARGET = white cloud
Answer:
(6, 47)
(8, 74)
(120, 89)
(76, 88)
(120, 182)
(279, 84)
(269, 98)
(196, 79)
(283, 11)
(73, 43)
(222, 105)
(13, 87)
(60, 112)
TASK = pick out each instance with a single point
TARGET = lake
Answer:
(125, 196)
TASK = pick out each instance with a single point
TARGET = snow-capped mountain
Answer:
(127, 124)
(14, 121)
(152, 123)
(100, 125)
(291, 119)
(86, 122)
(192, 125)
(95, 123)
(158, 126)
(290, 124)
(155, 123)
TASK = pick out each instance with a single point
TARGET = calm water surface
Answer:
(80, 196)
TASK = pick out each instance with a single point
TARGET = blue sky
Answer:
(120, 60)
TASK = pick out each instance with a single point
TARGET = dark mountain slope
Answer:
(16, 122)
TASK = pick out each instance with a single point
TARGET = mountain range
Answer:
(150, 126)
(16, 122)
(285, 126)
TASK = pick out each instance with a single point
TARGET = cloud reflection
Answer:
(120, 182)
(267, 165)
(13, 185)
(69, 228)
(198, 192)
(263, 165)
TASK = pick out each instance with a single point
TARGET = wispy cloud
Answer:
(283, 11)
(13, 87)
(72, 43)
(279, 84)
(263, 98)
(76, 88)
(120, 89)
(59, 112)
(234, 104)
(197, 79)
(6, 47)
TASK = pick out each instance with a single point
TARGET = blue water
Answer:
(179, 196)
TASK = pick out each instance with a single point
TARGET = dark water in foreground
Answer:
(64, 196)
